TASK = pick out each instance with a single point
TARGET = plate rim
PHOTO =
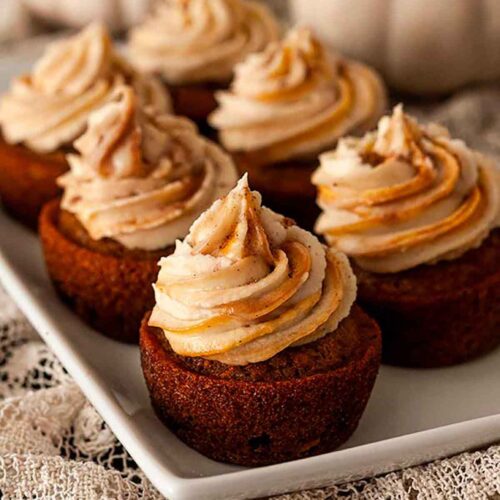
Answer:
(179, 487)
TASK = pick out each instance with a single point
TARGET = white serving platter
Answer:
(413, 416)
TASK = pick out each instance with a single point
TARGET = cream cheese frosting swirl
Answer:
(142, 178)
(247, 283)
(193, 41)
(405, 195)
(49, 108)
(295, 99)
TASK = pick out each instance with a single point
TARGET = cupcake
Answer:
(418, 212)
(45, 111)
(286, 105)
(195, 44)
(136, 183)
(254, 352)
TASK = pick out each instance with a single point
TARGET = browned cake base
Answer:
(304, 401)
(437, 315)
(194, 101)
(28, 180)
(285, 187)
(107, 285)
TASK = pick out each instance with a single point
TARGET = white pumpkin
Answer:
(117, 14)
(419, 46)
(15, 21)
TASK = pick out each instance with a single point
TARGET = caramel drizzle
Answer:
(277, 335)
(251, 309)
(427, 233)
(403, 201)
(425, 176)
(300, 265)
(263, 329)
(339, 113)
(397, 211)
(273, 334)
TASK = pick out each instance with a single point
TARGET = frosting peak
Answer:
(405, 195)
(142, 178)
(246, 283)
(49, 108)
(112, 143)
(241, 235)
(291, 78)
(395, 134)
(190, 41)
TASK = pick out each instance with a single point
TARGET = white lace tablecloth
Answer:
(54, 445)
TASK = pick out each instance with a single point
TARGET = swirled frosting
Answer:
(192, 41)
(49, 108)
(142, 178)
(247, 283)
(294, 99)
(406, 195)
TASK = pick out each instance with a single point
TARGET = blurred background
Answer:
(424, 47)
(22, 18)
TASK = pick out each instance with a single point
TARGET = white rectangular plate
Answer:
(413, 416)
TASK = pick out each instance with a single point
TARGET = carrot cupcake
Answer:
(137, 182)
(418, 213)
(195, 44)
(286, 105)
(45, 111)
(254, 352)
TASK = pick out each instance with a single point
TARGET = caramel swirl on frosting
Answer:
(247, 283)
(192, 41)
(142, 178)
(406, 195)
(294, 99)
(49, 108)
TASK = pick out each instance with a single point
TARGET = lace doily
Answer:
(54, 445)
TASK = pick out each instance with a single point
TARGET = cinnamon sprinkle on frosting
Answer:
(140, 177)
(245, 284)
